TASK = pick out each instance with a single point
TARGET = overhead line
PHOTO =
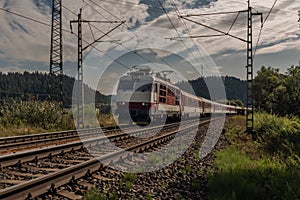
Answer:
(122, 64)
(187, 30)
(25, 17)
(270, 11)
(30, 19)
(214, 29)
(45, 24)
(132, 33)
(260, 31)
(167, 15)
(237, 16)
(214, 13)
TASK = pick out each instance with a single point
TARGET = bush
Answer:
(45, 115)
(280, 135)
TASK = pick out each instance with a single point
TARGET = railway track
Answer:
(35, 172)
(12, 145)
(27, 142)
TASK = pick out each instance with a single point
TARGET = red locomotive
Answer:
(144, 97)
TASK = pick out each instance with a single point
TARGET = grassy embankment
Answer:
(21, 118)
(266, 169)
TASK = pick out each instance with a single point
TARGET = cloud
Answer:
(23, 41)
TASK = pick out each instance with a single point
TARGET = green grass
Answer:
(229, 180)
(238, 177)
(267, 169)
(94, 194)
(129, 179)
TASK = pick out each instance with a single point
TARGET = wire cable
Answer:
(25, 17)
(261, 28)
(167, 15)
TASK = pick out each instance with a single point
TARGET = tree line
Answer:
(235, 88)
(26, 86)
(277, 93)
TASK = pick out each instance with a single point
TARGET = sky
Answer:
(151, 37)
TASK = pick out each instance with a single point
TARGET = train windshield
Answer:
(146, 87)
(126, 84)
(135, 85)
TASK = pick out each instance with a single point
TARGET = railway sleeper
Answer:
(24, 174)
(69, 195)
(36, 168)
(11, 181)
(56, 165)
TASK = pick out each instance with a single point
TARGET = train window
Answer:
(155, 88)
(126, 84)
(162, 100)
(171, 92)
(162, 93)
(162, 87)
(144, 88)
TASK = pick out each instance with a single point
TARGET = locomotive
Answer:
(143, 97)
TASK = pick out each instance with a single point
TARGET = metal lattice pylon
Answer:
(56, 53)
(249, 112)
(80, 84)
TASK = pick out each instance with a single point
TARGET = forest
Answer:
(27, 86)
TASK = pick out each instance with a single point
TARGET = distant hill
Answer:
(235, 88)
(35, 85)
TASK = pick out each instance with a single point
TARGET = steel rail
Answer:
(43, 184)
(11, 159)
(19, 143)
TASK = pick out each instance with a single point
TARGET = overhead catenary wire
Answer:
(30, 19)
(262, 25)
(174, 27)
(121, 3)
(187, 30)
(25, 17)
(135, 52)
(48, 25)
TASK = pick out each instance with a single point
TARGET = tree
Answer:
(266, 81)
(292, 84)
(277, 93)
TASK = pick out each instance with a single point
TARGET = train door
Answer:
(155, 93)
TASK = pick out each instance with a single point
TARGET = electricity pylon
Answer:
(56, 88)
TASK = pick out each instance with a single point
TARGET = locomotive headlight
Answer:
(123, 103)
(143, 104)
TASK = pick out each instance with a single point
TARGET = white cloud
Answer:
(33, 45)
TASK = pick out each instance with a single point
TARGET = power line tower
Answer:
(80, 84)
(249, 42)
(56, 53)
(249, 67)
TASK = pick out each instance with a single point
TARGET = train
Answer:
(145, 97)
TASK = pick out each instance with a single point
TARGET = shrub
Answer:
(45, 115)
(280, 135)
